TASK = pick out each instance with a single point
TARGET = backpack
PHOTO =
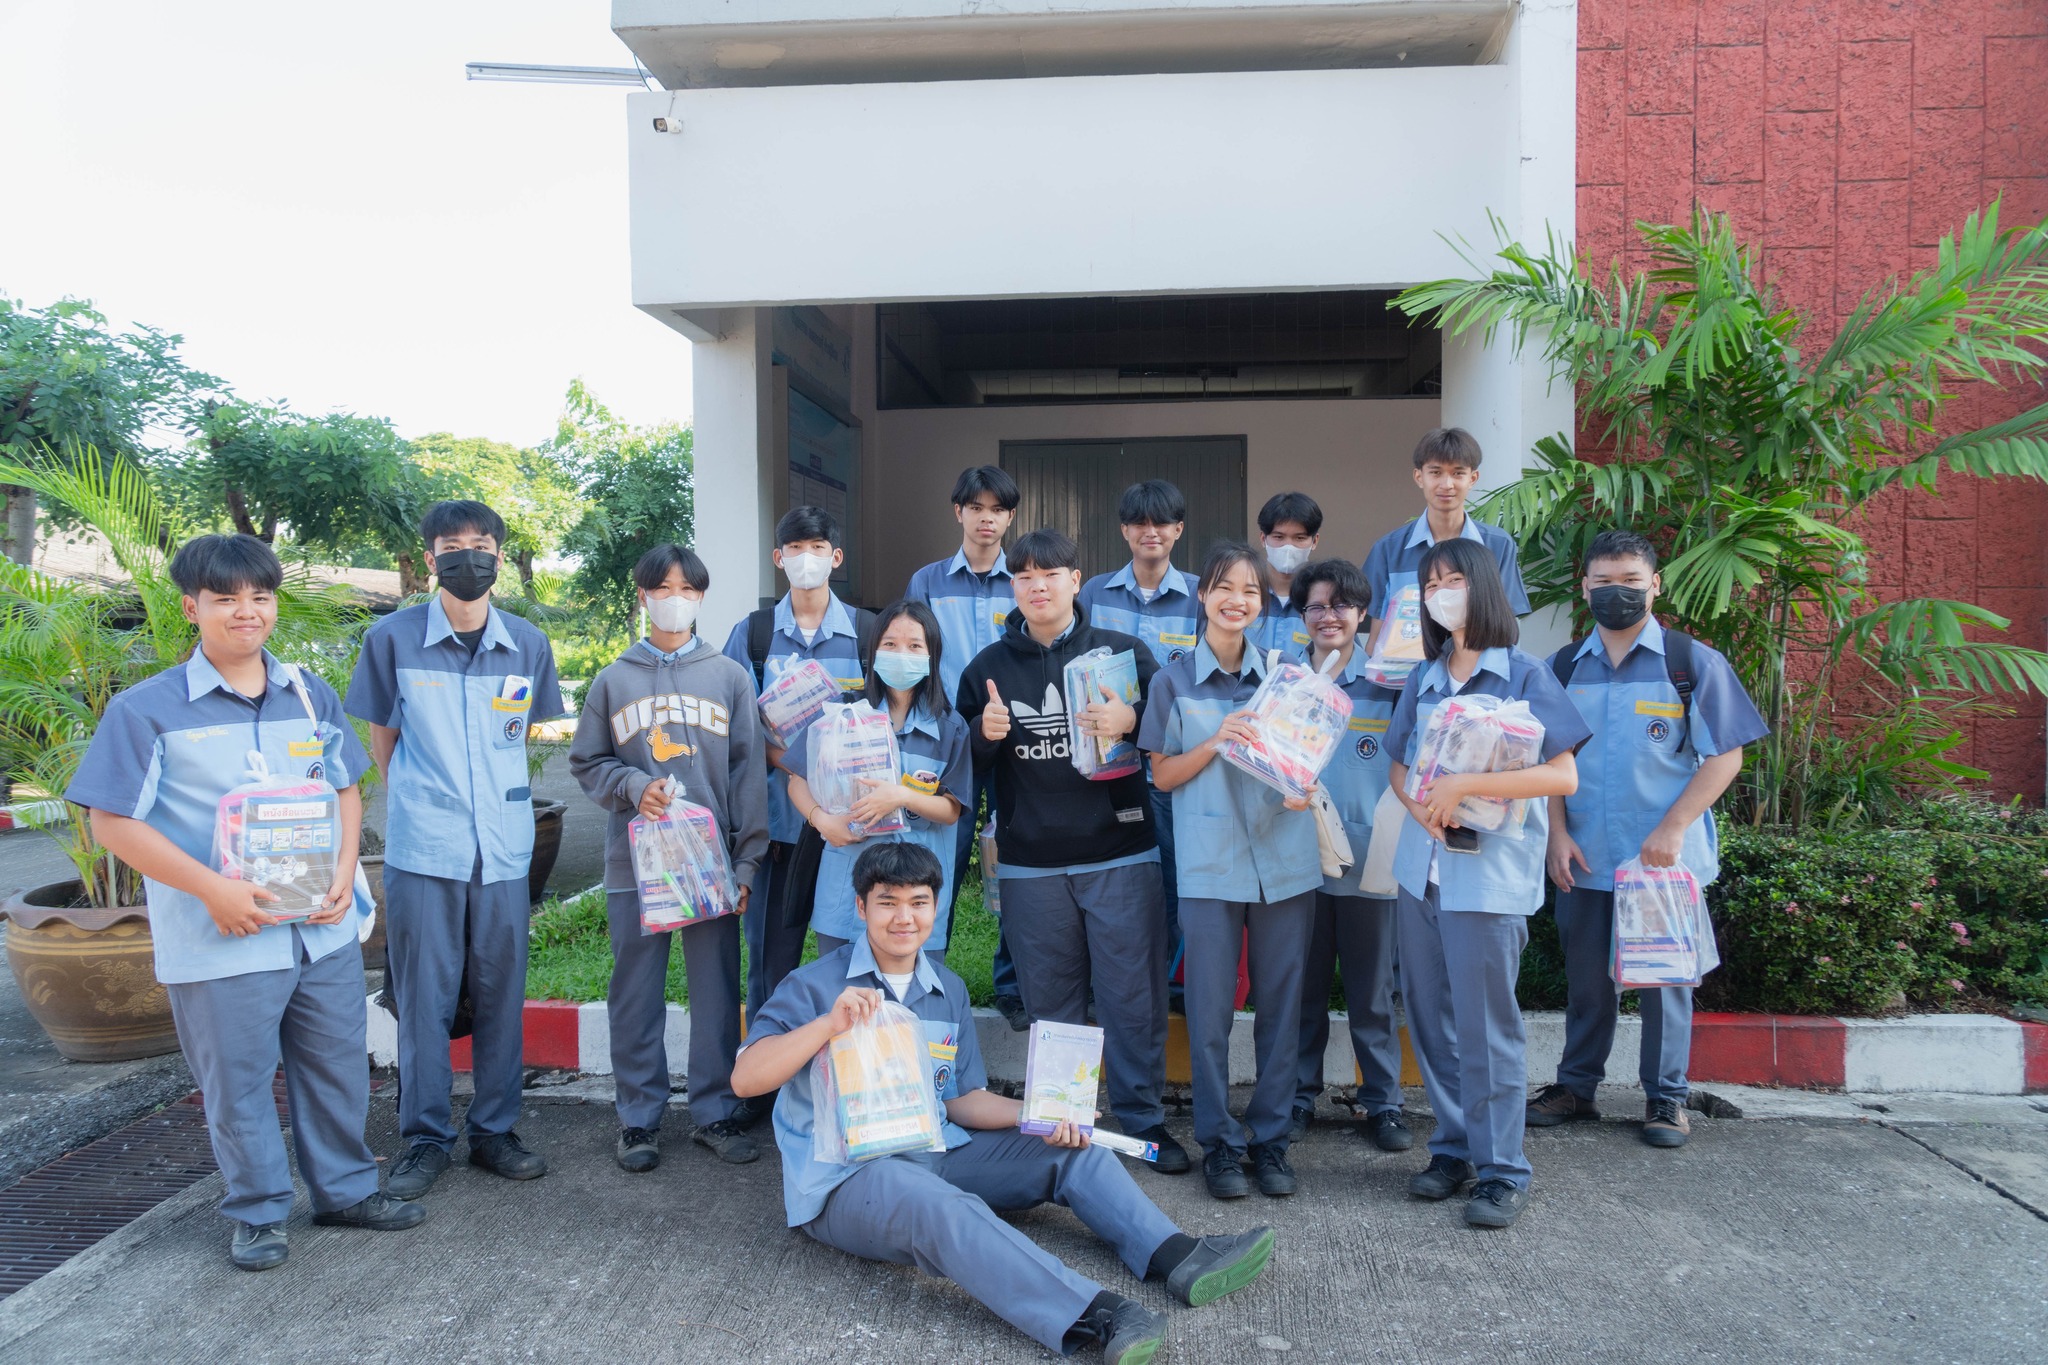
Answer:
(761, 630)
(1678, 664)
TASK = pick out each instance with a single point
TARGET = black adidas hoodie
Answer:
(1048, 815)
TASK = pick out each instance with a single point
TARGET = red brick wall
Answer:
(1845, 136)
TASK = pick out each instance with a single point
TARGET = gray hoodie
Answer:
(692, 719)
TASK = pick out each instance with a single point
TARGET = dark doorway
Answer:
(1074, 485)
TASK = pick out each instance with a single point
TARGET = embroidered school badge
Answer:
(515, 727)
(1368, 745)
(1658, 730)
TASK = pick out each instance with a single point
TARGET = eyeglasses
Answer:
(1319, 611)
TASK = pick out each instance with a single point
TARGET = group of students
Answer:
(1115, 896)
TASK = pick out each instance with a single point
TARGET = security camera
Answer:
(668, 124)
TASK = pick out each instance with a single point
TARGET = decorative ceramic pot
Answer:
(88, 975)
(547, 846)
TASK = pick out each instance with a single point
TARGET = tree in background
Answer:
(639, 490)
(534, 490)
(259, 468)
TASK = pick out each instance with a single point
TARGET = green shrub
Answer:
(1993, 862)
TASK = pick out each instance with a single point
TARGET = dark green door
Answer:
(1074, 485)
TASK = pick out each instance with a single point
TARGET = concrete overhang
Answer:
(691, 44)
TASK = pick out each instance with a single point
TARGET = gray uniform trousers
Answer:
(1108, 929)
(1359, 933)
(637, 1008)
(938, 1212)
(1585, 929)
(1214, 932)
(1458, 971)
(234, 1031)
(437, 927)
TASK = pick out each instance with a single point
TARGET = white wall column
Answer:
(735, 472)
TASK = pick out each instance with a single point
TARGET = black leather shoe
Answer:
(1298, 1122)
(750, 1111)
(638, 1150)
(732, 1146)
(1133, 1334)
(1173, 1158)
(1012, 1009)
(1269, 1164)
(1442, 1178)
(378, 1213)
(1219, 1266)
(504, 1154)
(1388, 1131)
(259, 1246)
(416, 1171)
(1224, 1172)
(1495, 1204)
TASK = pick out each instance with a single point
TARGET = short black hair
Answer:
(1349, 586)
(1291, 507)
(932, 691)
(806, 523)
(894, 864)
(1154, 502)
(1620, 545)
(1224, 556)
(653, 567)
(459, 516)
(225, 564)
(1489, 616)
(986, 478)
(1046, 548)
(1448, 445)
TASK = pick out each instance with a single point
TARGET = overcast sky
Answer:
(331, 215)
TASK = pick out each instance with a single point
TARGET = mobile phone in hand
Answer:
(1458, 839)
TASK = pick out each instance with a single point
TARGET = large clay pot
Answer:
(547, 846)
(374, 957)
(89, 975)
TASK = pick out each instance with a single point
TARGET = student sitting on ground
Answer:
(937, 1210)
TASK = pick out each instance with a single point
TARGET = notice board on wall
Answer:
(824, 471)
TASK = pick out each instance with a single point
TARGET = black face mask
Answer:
(1617, 607)
(466, 574)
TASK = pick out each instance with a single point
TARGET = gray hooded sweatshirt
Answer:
(692, 719)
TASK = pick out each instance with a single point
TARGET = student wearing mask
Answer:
(449, 689)
(673, 719)
(1446, 470)
(1290, 528)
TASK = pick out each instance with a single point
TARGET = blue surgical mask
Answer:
(897, 669)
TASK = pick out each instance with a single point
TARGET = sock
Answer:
(1171, 1253)
(1093, 1324)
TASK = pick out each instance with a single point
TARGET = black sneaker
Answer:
(1298, 1122)
(1219, 1266)
(1554, 1104)
(1132, 1334)
(1224, 1172)
(1495, 1204)
(504, 1154)
(1387, 1130)
(416, 1171)
(258, 1246)
(750, 1111)
(638, 1150)
(1012, 1009)
(1442, 1178)
(733, 1147)
(378, 1213)
(1276, 1177)
(1173, 1158)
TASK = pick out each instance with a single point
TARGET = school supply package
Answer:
(1377, 877)
(1062, 1074)
(872, 1091)
(1397, 640)
(850, 741)
(679, 862)
(795, 699)
(281, 834)
(1478, 733)
(1662, 935)
(1097, 757)
(1300, 715)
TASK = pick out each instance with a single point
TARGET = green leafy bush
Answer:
(1993, 862)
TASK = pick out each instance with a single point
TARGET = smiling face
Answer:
(1445, 485)
(233, 625)
(983, 520)
(1232, 602)
(1331, 626)
(1046, 596)
(1151, 542)
(899, 920)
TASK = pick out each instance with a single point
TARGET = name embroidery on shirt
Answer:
(670, 709)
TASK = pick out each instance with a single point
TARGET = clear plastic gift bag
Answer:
(850, 741)
(679, 861)
(1396, 639)
(1479, 734)
(873, 1092)
(1300, 716)
(282, 834)
(1662, 935)
(1096, 758)
(794, 699)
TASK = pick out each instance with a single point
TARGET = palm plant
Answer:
(1748, 460)
(67, 648)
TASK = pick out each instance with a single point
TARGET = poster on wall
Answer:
(824, 471)
(818, 354)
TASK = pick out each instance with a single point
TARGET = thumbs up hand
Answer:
(995, 717)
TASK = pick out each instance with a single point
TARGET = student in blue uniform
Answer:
(1290, 528)
(1151, 599)
(810, 622)
(970, 595)
(1446, 470)
(1464, 916)
(449, 689)
(1351, 928)
(672, 718)
(1669, 720)
(1249, 863)
(246, 989)
(938, 1211)
(938, 775)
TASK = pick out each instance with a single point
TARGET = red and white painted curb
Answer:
(1976, 1054)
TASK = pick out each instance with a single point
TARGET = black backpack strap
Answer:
(760, 630)
(1678, 665)
(1565, 662)
(864, 637)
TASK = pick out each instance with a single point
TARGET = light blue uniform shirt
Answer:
(458, 788)
(1168, 624)
(837, 647)
(1233, 839)
(166, 752)
(1646, 747)
(1505, 877)
(934, 751)
(971, 608)
(1278, 626)
(1391, 563)
(1357, 774)
(937, 996)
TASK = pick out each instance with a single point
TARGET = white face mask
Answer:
(1448, 606)
(1285, 559)
(672, 614)
(807, 571)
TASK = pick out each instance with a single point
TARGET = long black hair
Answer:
(932, 691)
(1489, 617)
